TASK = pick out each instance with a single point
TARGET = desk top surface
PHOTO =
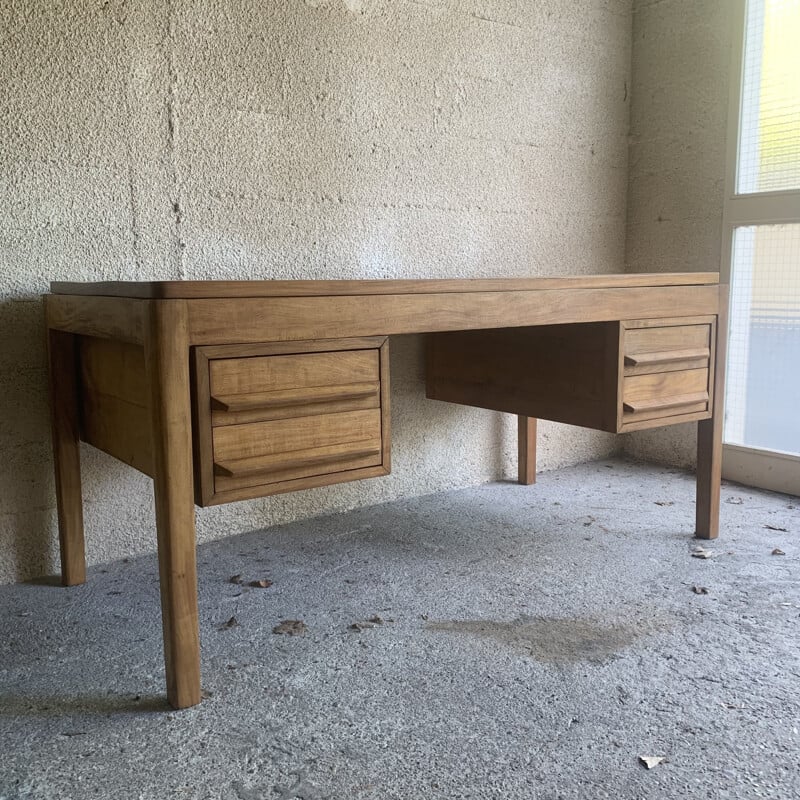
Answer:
(195, 290)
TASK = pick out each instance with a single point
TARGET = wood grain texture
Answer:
(386, 409)
(62, 352)
(526, 450)
(166, 349)
(292, 484)
(709, 434)
(300, 433)
(297, 346)
(288, 318)
(661, 402)
(304, 396)
(115, 401)
(666, 349)
(666, 358)
(665, 394)
(262, 484)
(120, 429)
(264, 416)
(202, 289)
(105, 317)
(312, 457)
(244, 376)
(564, 373)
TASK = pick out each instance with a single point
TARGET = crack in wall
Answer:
(172, 125)
(122, 20)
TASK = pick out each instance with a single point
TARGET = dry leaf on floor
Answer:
(231, 623)
(290, 627)
(665, 502)
(776, 528)
(699, 589)
(778, 552)
(651, 761)
(237, 579)
(701, 552)
(369, 623)
(733, 706)
(262, 584)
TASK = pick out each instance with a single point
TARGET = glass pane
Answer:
(769, 143)
(762, 407)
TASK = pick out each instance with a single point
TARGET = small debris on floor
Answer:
(665, 502)
(699, 589)
(701, 552)
(237, 579)
(262, 584)
(651, 761)
(735, 501)
(205, 694)
(776, 528)
(363, 625)
(231, 623)
(778, 552)
(290, 627)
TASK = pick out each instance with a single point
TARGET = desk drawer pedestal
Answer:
(278, 417)
(611, 376)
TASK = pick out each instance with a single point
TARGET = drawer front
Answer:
(270, 421)
(665, 394)
(667, 371)
(262, 388)
(667, 349)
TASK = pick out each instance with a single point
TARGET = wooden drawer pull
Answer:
(667, 356)
(295, 459)
(656, 403)
(294, 397)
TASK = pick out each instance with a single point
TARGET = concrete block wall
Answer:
(679, 123)
(297, 139)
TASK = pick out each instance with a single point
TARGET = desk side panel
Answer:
(115, 410)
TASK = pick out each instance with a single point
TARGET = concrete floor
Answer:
(535, 642)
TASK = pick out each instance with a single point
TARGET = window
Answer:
(762, 252)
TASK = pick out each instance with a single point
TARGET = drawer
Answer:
(667, 369)
(666, 349)
(279, 417)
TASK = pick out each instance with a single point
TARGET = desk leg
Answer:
(526, 445)
(709, 474)
(709, 438)
(62, 356)
(166, 349)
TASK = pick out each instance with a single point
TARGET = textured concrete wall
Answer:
(679, 121)
(292, 139)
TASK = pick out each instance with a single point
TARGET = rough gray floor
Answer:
(535, 642)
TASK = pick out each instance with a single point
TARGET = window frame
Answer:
(752, 466)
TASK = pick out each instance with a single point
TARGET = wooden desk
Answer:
(223, 391)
